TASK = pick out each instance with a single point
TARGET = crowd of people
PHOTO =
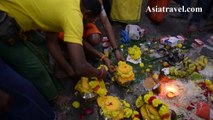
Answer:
(29, 33)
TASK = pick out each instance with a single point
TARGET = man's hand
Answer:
(57, 54)
(103, 73)
(5, 101)
(118, 56)
(109, 64)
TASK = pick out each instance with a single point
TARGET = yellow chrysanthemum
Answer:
(92, 85)
(156, 102)
(76, 104)
(139, 102)
(147, 97)
(124, 68)
(163, 110)
(127, 112)
(124, 72)
(111, 107)
(135, 115)
(124, 80)
(135, 52)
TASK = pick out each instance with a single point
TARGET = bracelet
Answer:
(114, 49)
(102, 57)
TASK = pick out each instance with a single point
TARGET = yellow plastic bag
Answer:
(127, 11)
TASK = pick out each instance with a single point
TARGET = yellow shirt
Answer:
(48, 15)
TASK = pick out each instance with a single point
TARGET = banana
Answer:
(152, 110)
(185, 58)
(199, 67)
(144, 113)
(153, 113)
(201, 63)
(205, 60)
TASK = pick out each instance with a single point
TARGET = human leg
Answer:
(28, 58)
(27, 103)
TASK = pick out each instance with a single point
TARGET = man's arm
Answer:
(109, 32)
(93, 51)
(79, 63)
(52, 44)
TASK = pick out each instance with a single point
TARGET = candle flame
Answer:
(171, 89)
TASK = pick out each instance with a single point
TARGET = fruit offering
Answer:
(189, 66)
(152, 108)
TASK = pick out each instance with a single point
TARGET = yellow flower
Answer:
(135, 52)
(124, 72)
(127, 112)
(114, 113)
(147, 70)
(123, 67)
(101, 92)
(126, 104)
(83, 86)
(156, 102)
(135, 115)
(131, 51)
(163, 110)
(179, 45)
(150, 66)
(141, 65)
(139, 102)
(147, 97)
(76, 104)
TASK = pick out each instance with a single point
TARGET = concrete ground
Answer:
(170, 26)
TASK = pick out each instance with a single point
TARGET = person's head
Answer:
(91, 9)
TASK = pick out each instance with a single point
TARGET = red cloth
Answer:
(203, 110)
(89, 29)
(158, 16)
(61, 35)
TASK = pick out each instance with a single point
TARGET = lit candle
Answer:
(171, 92)
(170, 95)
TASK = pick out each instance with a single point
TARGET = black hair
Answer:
(93, 5)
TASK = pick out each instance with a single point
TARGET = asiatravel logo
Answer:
(173, 9)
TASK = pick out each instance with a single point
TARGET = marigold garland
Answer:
(152, 100)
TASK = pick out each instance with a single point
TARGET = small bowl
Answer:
(173, 115)
(89, 96)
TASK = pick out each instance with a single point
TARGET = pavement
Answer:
(170, 26)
